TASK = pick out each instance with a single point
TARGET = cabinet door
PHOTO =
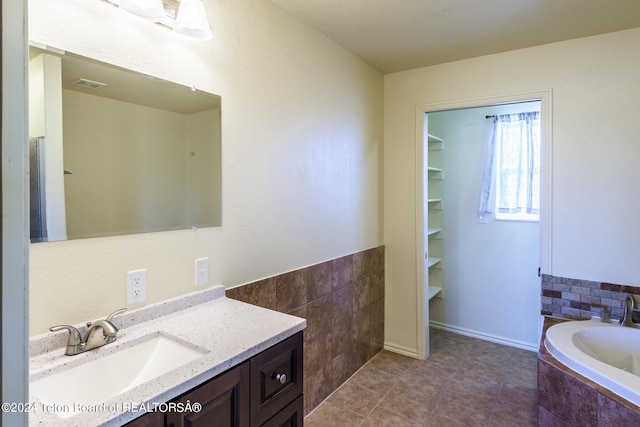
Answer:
(276, 378)
(225, 402)
(291, 416)
(152, 419)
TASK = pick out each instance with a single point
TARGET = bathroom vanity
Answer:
(243, 367)
(264, 391)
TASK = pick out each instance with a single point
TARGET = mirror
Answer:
(115, 152)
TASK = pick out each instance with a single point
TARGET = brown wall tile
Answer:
(319, 316)
(362, 293)
(291, 290)
(612, 413)
(316, 388)
(319, 280)
(315, 354)
(572, 401)
(261, 293)
(342, 272)
(547, 419)
(343, 302)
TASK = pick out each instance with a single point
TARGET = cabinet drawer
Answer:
(291, 416)
(276, 378)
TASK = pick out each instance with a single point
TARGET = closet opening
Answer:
(483, 218)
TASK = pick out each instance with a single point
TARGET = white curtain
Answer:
(512, 167)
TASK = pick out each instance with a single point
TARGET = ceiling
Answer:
(128, 86)
(397, 35)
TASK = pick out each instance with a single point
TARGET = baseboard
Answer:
(483, 336)
(405, 351)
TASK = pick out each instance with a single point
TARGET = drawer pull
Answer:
(281, 378)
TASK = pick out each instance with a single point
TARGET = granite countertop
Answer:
(227, 331)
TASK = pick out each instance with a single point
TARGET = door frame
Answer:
(546, 151)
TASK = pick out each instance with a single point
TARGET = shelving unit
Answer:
(434, 210)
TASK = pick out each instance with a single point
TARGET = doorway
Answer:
(488, 273)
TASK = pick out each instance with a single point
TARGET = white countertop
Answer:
(229, 331)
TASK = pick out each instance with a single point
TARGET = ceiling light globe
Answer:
(152, 9)
(192, 20)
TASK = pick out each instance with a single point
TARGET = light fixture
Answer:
(152, 9)
(187, 17)
(192, 20)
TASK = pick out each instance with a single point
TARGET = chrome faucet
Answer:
(629, 309)
(76, 344)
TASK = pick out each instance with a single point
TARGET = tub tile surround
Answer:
(343, 303)
(573, 298)
(566, 398)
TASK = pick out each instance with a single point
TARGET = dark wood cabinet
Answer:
(276, 379)
(265, 391)
(224, 401)
(291, 416)
(152, 419)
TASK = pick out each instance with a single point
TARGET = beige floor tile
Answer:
(414, 403)
(465, 382)
(509, 415)
(355, 398)
(473, 410)
(381, 417)
(376, 380)
(440, 421)
(330, 415)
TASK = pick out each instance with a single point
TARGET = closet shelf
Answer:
(435, 173)
(434, 143)
(433, 291)
(431, 261)
(434, 203)
(433, 231)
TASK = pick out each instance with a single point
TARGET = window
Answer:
(511, 186)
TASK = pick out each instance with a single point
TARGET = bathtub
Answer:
(606, 353)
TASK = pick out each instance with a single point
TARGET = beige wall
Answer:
(595, 89)
(301, 150)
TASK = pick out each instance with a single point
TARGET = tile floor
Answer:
(465, 382)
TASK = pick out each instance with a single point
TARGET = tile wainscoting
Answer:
(573, 298)
(343, 302)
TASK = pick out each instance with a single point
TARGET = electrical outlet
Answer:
(202, 271)
(136, 286)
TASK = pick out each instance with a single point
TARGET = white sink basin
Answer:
(101, 379)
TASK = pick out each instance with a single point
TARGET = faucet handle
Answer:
(115, 313)
(606, 315)
(74, 341)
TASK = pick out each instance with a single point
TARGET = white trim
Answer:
(485, 337)
(400, 349)
(545, 96)
(15, 230)
(422, 349)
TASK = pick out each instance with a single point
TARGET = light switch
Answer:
(202, 271)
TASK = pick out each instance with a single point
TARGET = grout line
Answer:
(386, 394)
